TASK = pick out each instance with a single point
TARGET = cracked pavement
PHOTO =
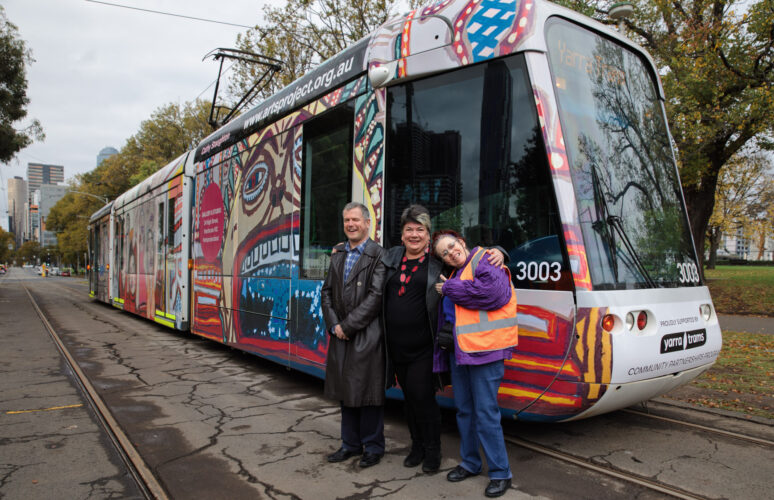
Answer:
(213, 422)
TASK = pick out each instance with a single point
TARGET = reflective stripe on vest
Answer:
(480, 331)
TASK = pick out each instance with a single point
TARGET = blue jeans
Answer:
(478, 417)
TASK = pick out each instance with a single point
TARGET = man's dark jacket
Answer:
(354, 372)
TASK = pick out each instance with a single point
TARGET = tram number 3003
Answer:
(689, 273)
(538, 271)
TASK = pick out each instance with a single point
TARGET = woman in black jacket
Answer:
(410, 313)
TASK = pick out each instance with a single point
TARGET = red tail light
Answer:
(642, 320)
(608, 322)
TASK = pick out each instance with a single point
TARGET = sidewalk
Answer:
(746, 324)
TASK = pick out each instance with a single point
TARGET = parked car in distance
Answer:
(38, 270)
(54, 271)
(65, 272)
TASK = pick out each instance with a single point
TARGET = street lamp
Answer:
(620, 11)
(101, 198)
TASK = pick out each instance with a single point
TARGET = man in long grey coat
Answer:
(354, 373)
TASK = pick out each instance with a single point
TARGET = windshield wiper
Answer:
(617, 224)
(601, 225)
(604, 222)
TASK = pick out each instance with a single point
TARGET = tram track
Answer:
(704, 428)
(146, 481)
(587, 464)
(633, 478)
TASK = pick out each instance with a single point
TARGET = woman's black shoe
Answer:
(415, 456)
(497, 487)
(432, 462)
(459, 473)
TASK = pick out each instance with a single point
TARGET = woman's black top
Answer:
(408, 326)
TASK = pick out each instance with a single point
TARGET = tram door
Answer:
(164, 247)
(326, 186)
(93, 251)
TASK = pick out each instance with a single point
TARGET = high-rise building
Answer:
(17, 217)
(105, 153)
(39, 174)
(49, 195)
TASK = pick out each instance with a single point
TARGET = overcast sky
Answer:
(100, 70)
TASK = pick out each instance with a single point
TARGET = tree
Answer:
(14, 58)
(762, 216)
(716, 62)
(304, 33)
(738, 200)
(169, 132)
(28, 252)
(6, 246)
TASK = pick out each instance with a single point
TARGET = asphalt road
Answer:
(212, 422)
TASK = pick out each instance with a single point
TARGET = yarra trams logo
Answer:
(683, 340)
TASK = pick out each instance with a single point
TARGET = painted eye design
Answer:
(297, 147)
(255, 180)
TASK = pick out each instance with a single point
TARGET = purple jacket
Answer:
(490, 289)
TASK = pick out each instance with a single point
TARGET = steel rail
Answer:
(142, 474)
(706, 428)
(608, 471)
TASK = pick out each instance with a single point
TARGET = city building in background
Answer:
(106, 153)
(39, 174)
(17, 201)
(48, 196)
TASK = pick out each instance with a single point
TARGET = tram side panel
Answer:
(100, 258)
(249, 291)
(149, 270)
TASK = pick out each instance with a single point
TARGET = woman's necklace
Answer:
(404, 278)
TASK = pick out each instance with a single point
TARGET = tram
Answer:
(520, 124)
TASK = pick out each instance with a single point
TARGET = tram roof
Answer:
(162, 175)
(101, 212)
(433, 25)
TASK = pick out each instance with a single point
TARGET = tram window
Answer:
(468, 145)
(160, 238)
(171, 224)
(326, 181)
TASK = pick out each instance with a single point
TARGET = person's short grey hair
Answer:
(356, 204)
(416, 214)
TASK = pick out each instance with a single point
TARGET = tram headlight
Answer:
(706, 311)
(642, 320)
(629, 321)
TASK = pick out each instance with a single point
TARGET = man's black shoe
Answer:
(497, 487)
(342, 454)
(459, 473)
(369, 459)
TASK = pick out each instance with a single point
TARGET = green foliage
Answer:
(716, 62)
(304, 33)
(741, 380)
(30, 251)
(6, 252)
(744, 199)
(742, 289)
(14, 58)
(169, 132)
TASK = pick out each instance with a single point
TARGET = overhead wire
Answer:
(110, 4)
(170, 14)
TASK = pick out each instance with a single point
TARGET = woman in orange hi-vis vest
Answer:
(479, 311)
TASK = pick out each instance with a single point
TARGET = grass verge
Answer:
(742, 289)
(742, 380)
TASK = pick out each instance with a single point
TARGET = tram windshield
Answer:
(467, 145)
(630, 203)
